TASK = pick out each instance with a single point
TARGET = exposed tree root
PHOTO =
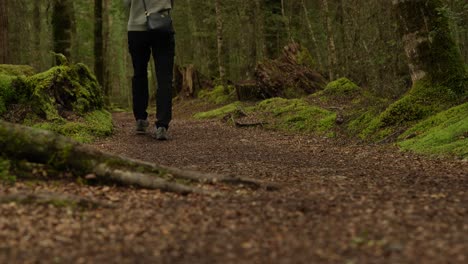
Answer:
(45, 147)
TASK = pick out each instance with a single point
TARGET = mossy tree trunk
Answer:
(431, 51)
(3, 32)
(62, 23)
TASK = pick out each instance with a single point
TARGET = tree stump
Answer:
(188, 81)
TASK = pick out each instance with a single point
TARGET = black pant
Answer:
(162, 46)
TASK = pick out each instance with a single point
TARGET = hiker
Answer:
(143, 42)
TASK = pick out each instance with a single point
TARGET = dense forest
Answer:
(346, 38)
(304, 131)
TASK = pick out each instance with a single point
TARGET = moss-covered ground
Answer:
(343, 107)
(221, 94)
(282, 114)
(5, 175)
(17, 70)
(443, 134)
(92, 125)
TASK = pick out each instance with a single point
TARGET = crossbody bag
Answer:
(159, 21)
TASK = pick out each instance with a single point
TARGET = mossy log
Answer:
(45, 147)
(16, 70)
(291, 75)
(51, 94)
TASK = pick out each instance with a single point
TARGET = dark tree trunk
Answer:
(3, 32)
(62, 23)
(99, 44)
(428, 44)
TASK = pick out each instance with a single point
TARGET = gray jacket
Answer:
(137, 19)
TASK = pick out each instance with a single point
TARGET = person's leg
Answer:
(140, 51)
(163, 46)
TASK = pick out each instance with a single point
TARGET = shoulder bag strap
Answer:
(144, 5)
(146, 9)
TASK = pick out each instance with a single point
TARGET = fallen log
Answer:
(46, 147)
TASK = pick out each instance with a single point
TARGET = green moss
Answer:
(297, 115)
(423, 100)
(283, 114)
(293, 92)
(219, 112)
(16, 70)
(6, 91)
(360, 122)
(93, 125)
(71, 88)
(305, 58)
(443, 134)
(341, 87)
(219, 95)
(5, 174)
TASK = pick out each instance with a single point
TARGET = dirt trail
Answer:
(339, 203)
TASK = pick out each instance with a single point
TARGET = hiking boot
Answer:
(141, 126)
(161, 133)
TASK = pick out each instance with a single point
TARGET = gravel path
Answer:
(339, 203)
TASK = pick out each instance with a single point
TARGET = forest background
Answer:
(346, 38)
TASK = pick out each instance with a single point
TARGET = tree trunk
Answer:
(260, 30)
(344, 45)
(312, 35)
(3, 32)
(286, 21)
(332, 59)
(62, 26)
(429, 46)
(45, 147)
(37, 35)
(99, 45)
(219, 37)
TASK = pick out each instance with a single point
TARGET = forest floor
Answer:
(339, 202)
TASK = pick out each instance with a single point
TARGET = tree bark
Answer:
(286, 21)
(62, 26)
(3, 32)
(312, 35)
(45, 147)
(188, 81)
(332, 59)
(99, 45)
(260, 29)
(219, 38)
(429, 46)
